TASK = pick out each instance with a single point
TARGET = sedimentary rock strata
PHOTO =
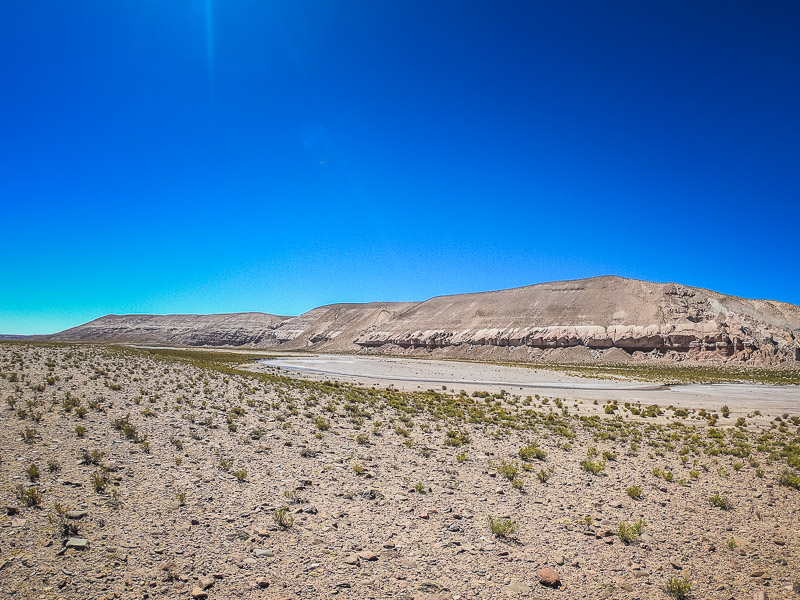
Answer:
(602, 317)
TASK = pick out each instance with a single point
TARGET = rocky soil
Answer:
(166, 477)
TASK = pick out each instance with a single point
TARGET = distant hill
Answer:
(602, 318)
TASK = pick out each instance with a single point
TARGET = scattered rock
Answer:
(205, 582)
(198, 593)
(549, 577)
(262, 582)
(76, 514)
(77, 543)
(367, 555)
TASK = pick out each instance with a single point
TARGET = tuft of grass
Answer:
(544, 474)
(509, 470)
(456, 438)
(635, 492)
(181, 497)
(29, 497)
(532, 451)
(593, 467)
(358, 468)
(501, 528)
(630, 533)
(461, 457)
(720, 502)
(240, 474)
(33, 472)
(99, 482)
(789, 479)
(679, 588)
(282, 517)
(225, 464)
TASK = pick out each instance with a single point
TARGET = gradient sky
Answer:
(220, 156)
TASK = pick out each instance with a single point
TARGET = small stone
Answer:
(424, 515)
(11, 509)
(310, 509)
(351, 559)
(757, 573)
(518, 586)
(76, 514)
(549, 577)
(77, 543)
(676, 564)
(454, 527)
(262, 552)
(367, 555)
(626, 586)
(205, 582)
(262, 582)
(760, 595)
(18, 522)
(560, 561)
(198, 593)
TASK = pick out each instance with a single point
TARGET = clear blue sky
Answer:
(220, 156)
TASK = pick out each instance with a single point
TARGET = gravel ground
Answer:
(387, 494)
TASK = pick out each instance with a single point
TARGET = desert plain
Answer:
(143, 473)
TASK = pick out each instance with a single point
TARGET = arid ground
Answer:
(135, 473)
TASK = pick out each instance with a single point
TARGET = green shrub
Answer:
(532, 451)
(282, 517)
(456, 438)
(679, 588)
(789, 479)
(720, 502)
(635, 492)
(630, 533)
(501, 528)
(593, 467)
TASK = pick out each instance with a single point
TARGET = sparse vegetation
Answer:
(635, 492)
(679, 588)
(720, 502)
(502, 527)
(283, 518)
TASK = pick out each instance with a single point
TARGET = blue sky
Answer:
(209, 156)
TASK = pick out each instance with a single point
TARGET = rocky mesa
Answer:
(601, 318)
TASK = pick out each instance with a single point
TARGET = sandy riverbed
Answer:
(409, 374)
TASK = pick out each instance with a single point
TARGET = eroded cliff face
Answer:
(660, 320)
(235, 329)
(603, 318)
